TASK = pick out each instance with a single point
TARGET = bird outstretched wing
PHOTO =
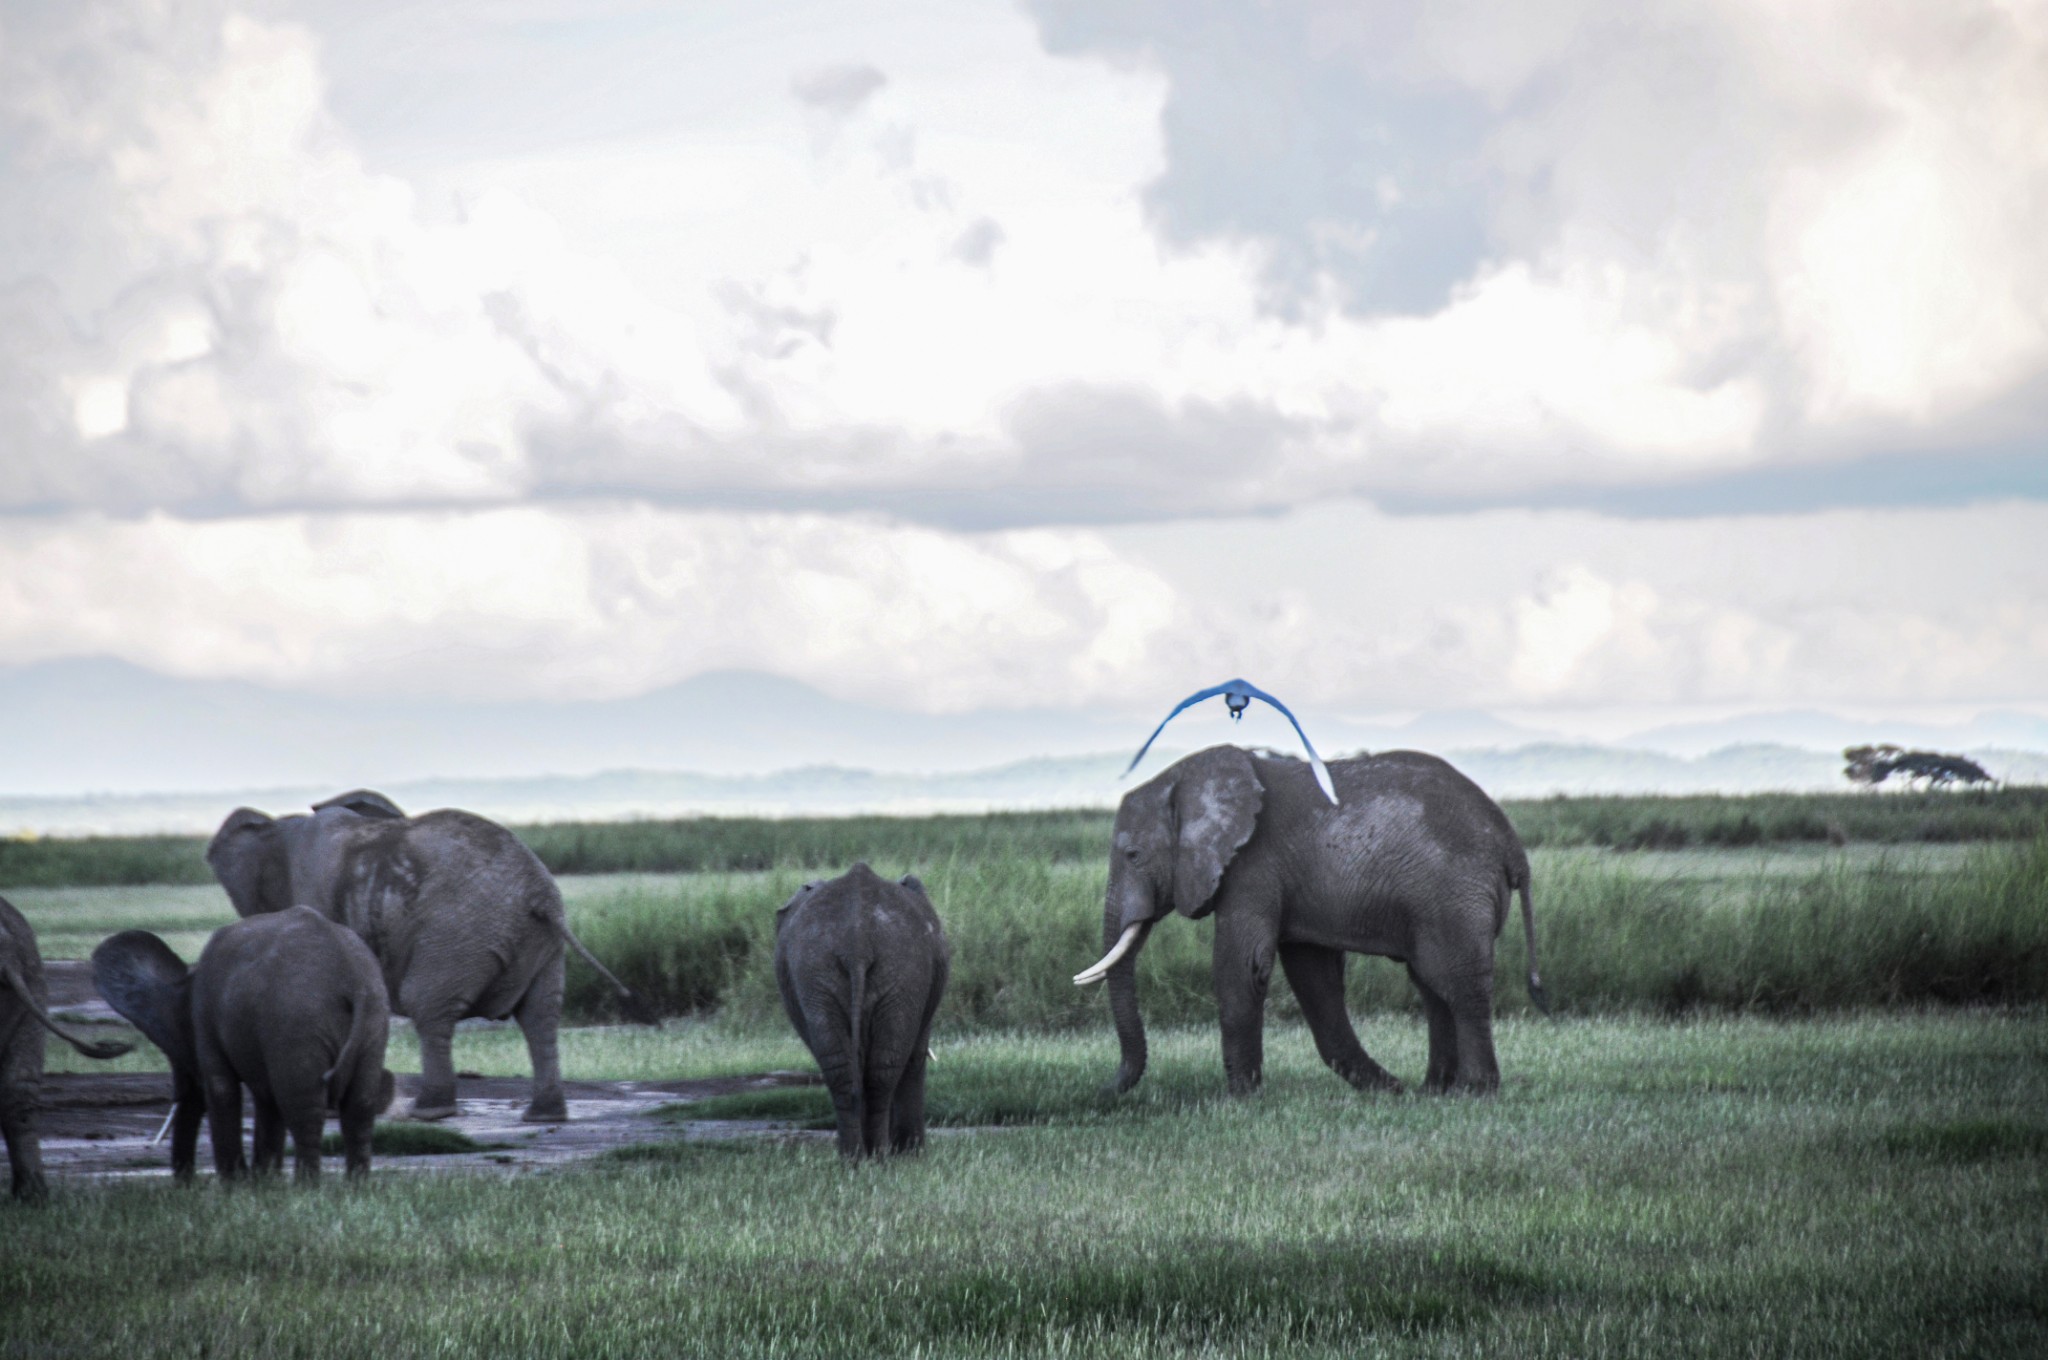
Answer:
(1315, 761)
(1247, 689)
(1178, 709)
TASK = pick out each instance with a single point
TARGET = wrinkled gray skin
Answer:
(862, 963)
(291, 1006)
(464, 919)
(1415, 863)
(24, 1015)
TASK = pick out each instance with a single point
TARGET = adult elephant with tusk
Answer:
(1412, 862)
(463, 918)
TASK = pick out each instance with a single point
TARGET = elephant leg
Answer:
(1242, 969)
(266, 1153)
(1443, 1037)
(1316, 973)
(18, 1105)
(436, 1098)
(188, 1112)
(224, 1122)
(540, 1020)
(828, 1034)
(842, 1082)
(1469, 998)
(358, 1124)
(877, 1106)
(308, 1124)
(906, 1112)
(906, 1116)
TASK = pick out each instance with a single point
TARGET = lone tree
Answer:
(1872, 765)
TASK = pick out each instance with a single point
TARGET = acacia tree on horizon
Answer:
(1872, 765)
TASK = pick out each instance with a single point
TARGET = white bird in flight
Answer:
(1237, 696)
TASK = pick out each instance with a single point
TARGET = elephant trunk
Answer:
(1121, 945)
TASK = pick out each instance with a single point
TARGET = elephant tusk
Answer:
(1116, 951)
(165, 1127)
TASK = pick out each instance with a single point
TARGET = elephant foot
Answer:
(426, 1111)
(550, 1111)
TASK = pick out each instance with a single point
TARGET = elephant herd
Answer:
(355, 912)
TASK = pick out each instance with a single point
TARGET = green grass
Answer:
(1870, 1185)
(70, 922)
(1781, 929)
(411, 1140)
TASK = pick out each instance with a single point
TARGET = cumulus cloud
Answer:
(1433, 254)
(595, 601)
(1663, 239)
(1344, 608)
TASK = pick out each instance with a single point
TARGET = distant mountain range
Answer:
(101, 746)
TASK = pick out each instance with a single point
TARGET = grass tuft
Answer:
(410, 1140)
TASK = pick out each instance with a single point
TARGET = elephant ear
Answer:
(151, 987)
(1216, 800)
(247, 855)
(364, 803)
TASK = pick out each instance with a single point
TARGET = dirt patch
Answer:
(102, 1124)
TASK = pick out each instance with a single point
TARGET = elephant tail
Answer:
(335, 1080)
(631, 1002)
(1536, 994)
(11, 978)
(856, 1002)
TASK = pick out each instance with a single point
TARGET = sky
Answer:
(1560, 359)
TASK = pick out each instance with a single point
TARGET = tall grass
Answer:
(1616, 933)
(720, 844)
(1721, 821)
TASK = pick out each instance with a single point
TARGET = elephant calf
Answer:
(24, 1015)
(290, 1005)
(862, 963)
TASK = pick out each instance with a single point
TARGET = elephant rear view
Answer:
(290, 1005)
(861, 963)
(24, 1015)
(463, 918)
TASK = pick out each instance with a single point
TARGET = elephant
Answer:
(1414, 862)
(290, 1005)
(861, 963)
(24, 1015)
(463, 918)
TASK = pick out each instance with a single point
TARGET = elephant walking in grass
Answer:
(861, 963)
(1413, 862)
(291, 1006)
(24, 1015)
(463, 918)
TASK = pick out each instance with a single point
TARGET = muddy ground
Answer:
(103, 1124)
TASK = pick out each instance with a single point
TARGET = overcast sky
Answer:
(1572, 355)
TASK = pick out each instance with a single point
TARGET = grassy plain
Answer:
(1784, 929)
(1749, 1133)
(1870, 1185)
